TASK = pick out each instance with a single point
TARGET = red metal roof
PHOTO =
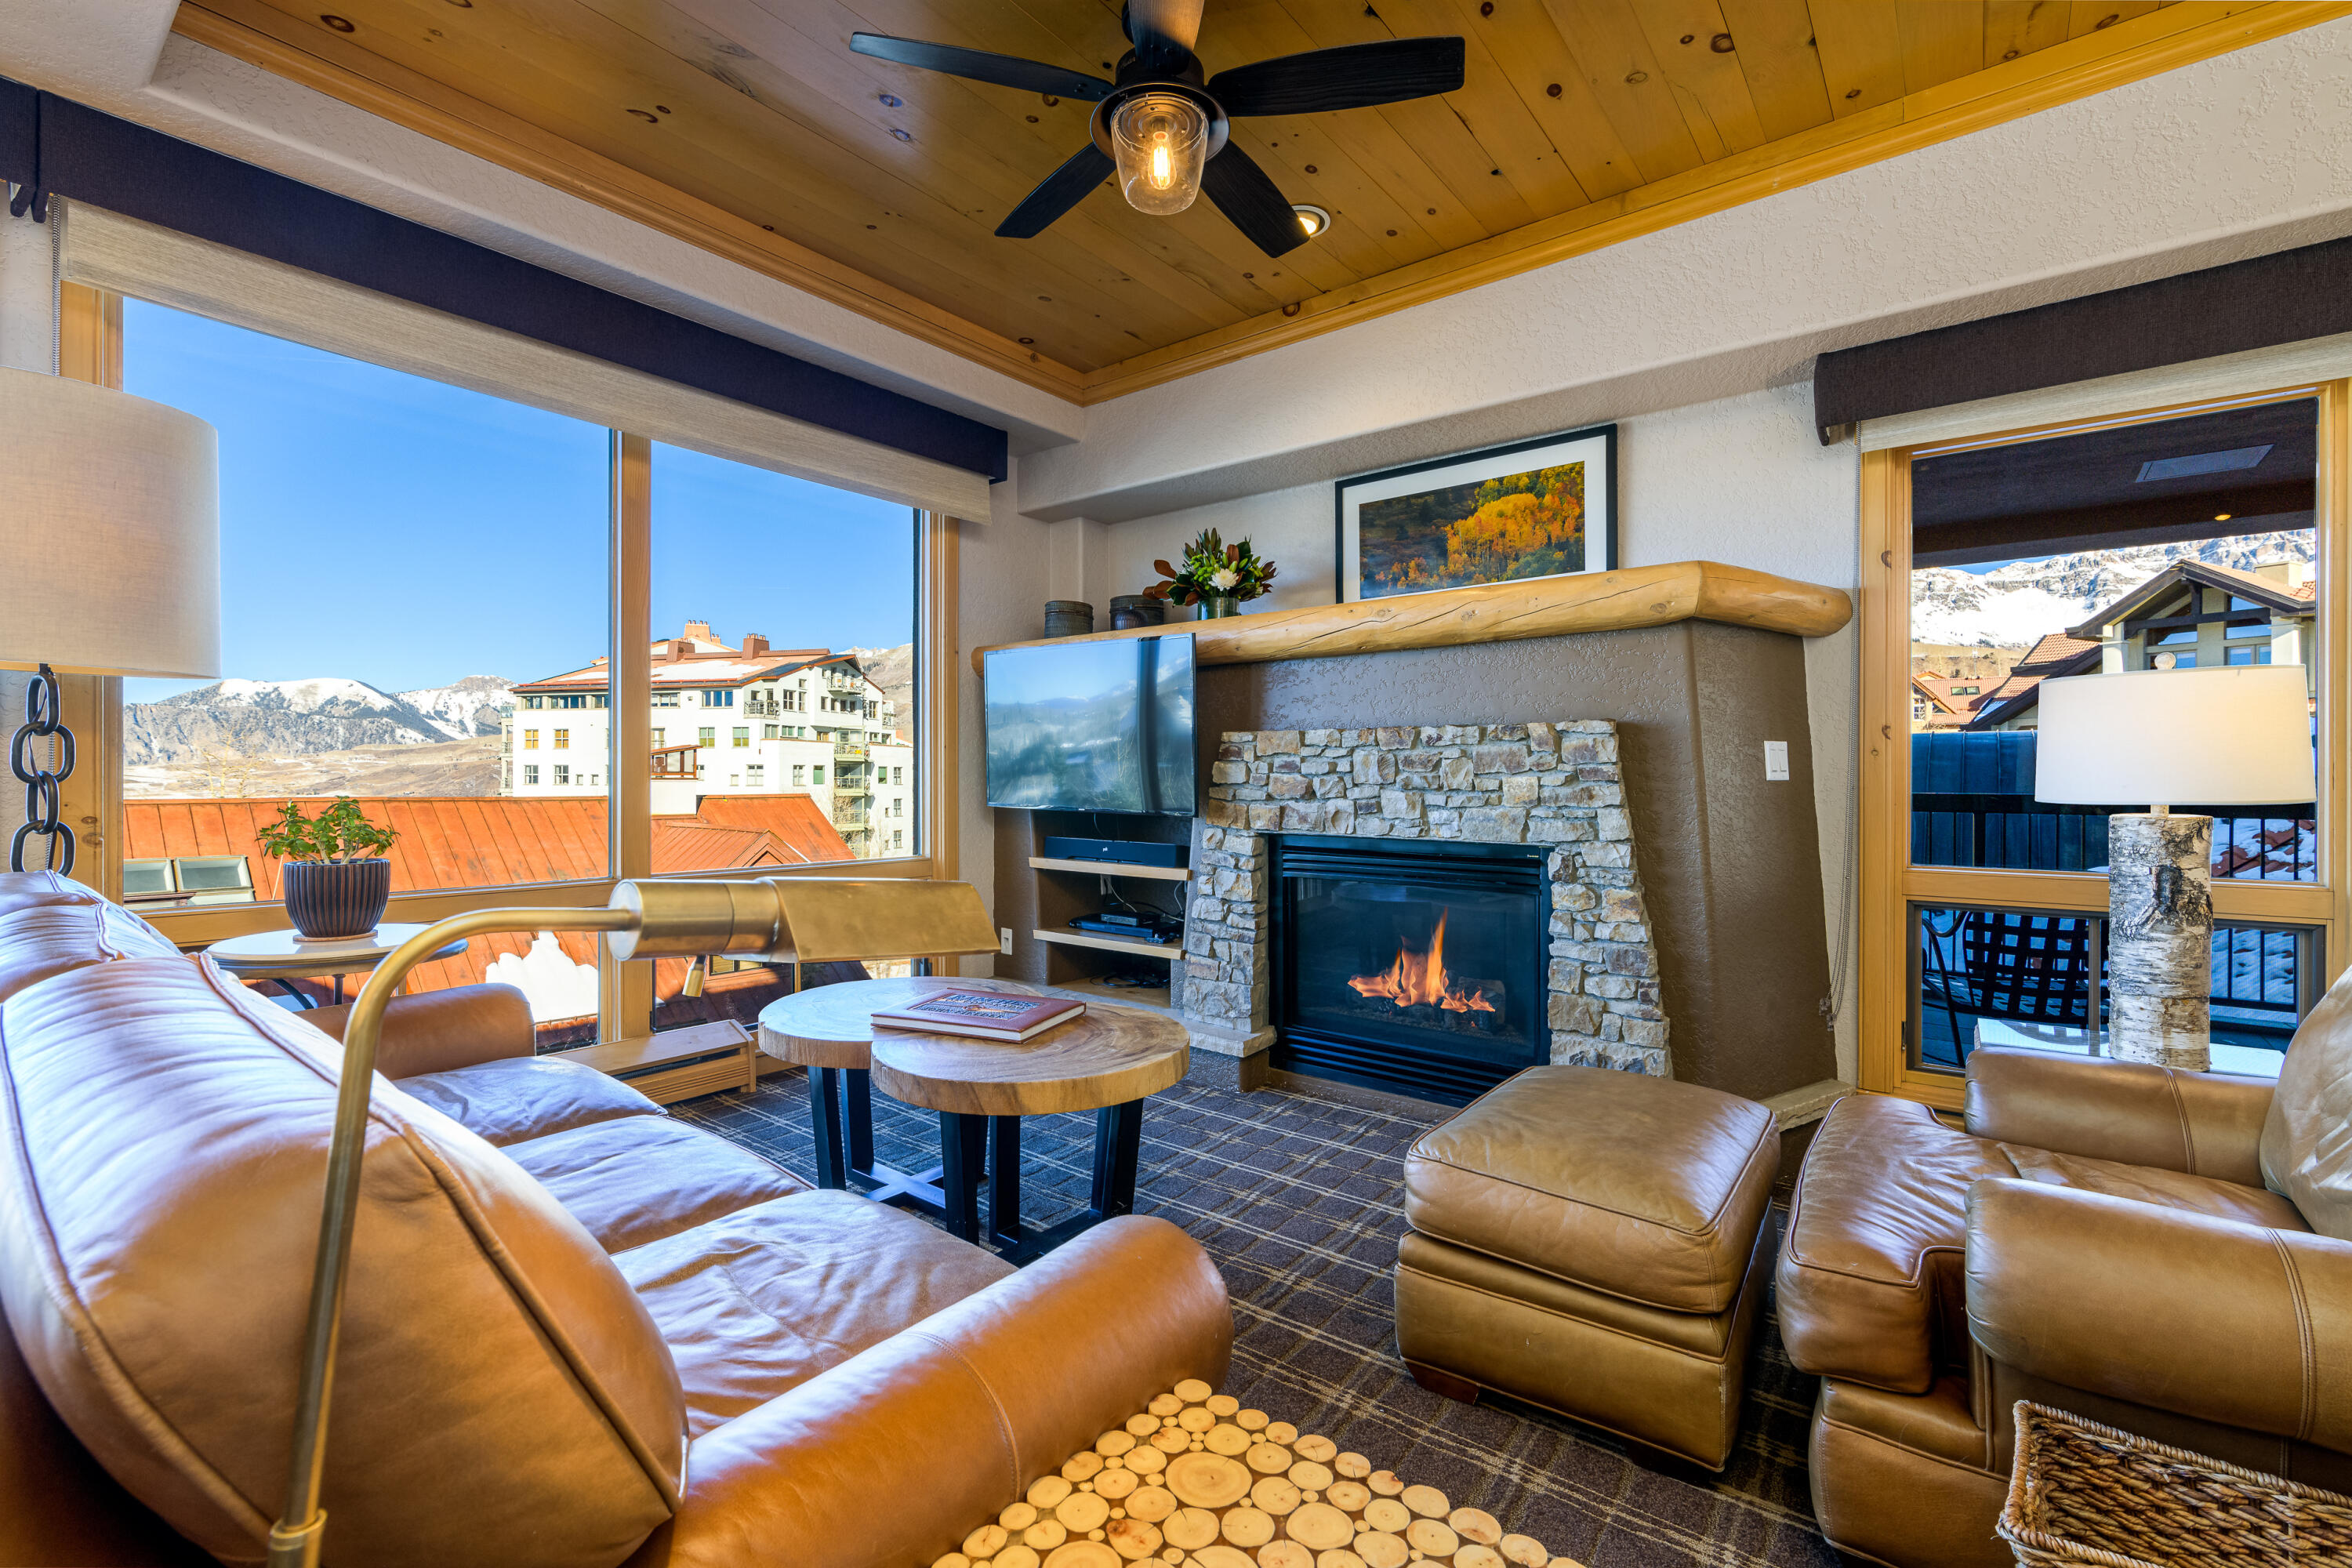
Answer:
(455, 842)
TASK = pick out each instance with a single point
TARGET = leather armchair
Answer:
(2167, 1252)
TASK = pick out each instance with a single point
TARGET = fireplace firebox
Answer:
(1416, 967)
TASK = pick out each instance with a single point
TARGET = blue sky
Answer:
(406, 534)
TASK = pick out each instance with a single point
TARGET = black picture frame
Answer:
(1594, 445)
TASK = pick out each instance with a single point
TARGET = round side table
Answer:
(288, 955)
(829, 1029)
(1105, 1062)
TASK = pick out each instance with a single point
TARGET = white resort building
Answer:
(729, 720)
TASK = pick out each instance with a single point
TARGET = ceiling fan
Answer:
(1163, 128)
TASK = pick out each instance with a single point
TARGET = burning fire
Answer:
(1418, 979)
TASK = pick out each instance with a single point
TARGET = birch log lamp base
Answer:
(2232, 736)
(1193, 1480)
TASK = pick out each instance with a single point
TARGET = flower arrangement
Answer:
(340, 832)
(1214, 570)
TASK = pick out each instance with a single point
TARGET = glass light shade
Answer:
(2233, 736)
(110, 527)
(1160, 140)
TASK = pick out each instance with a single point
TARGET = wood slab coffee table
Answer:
(1105, 1062)
(828, 1029)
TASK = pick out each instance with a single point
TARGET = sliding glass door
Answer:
(2177, 539)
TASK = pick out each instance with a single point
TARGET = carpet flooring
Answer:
(1298, 1198)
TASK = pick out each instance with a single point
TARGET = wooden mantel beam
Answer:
(1506, 612)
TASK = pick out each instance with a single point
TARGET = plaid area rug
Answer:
(1299, 1199)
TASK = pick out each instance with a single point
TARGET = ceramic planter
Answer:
(329, 898)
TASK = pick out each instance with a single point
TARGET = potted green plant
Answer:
(334, 878)
(1217, 577)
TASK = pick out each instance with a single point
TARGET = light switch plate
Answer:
(1005, 940)
(1776, 761)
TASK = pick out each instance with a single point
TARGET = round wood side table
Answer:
(1105, 1062)
(288, 955)
(829, 1029)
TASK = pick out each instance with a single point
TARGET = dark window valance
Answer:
(51, 144)
(2256, 304)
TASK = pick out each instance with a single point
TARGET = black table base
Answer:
(830, 1128)
(974, 1152)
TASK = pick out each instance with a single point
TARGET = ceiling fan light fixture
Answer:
(1160, 141)
(1311, 218)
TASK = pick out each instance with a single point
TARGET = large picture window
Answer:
(420, 587)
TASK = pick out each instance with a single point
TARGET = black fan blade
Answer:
(1354, 76)
(1061, 189)
(1255, 204)
(979, 64)
(1163, 29)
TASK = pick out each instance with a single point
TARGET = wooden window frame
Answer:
(91, 349)
(1890, 886)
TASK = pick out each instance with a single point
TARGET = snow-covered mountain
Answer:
(892, 669)
(2011, 605)
(297, 718)
(470, 707)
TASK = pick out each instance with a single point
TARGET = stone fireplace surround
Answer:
(1558, 783)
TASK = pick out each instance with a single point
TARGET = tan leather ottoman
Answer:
(1587, 1240)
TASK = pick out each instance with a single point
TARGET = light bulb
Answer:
(1311, 218)
(1160, 141)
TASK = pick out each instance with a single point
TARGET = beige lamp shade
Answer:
(109, 524)
(2235, 736)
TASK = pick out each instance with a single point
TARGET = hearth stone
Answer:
(1555, 784)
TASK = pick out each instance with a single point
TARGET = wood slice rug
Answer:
(1299, 1199)
(1196, 1480)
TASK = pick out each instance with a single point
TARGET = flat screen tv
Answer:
(1092, 726)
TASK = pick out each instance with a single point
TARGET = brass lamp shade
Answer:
(112, 517)
(802, 920)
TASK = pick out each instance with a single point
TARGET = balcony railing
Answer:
(1972, 805)
(847, 814)
(759, 710)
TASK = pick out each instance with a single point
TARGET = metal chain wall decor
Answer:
(43, 800)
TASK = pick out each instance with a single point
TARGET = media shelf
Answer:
(1038, 894)
(1112, 869)
(1108, 944)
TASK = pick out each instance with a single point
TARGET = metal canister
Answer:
(1130, 610)
(1068, 617)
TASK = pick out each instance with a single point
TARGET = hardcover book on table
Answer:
(984, 1015)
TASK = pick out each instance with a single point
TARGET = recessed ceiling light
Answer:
(2223, 516)
(1311, 218)
(2198, 463)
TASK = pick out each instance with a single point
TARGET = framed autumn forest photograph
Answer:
(1545, 508)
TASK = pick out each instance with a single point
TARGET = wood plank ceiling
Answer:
(884, 183)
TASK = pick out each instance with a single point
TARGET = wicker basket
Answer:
(2084, 1493)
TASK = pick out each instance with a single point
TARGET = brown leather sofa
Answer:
(2167, 1252)
(581, 1332)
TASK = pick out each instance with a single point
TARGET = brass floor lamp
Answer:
(807, 920)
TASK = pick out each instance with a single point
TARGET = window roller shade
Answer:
(2290, 297)
(107, 250)
(817, 423)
